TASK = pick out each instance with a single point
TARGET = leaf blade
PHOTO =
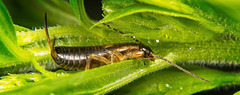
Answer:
(10, 52)
(79, 10)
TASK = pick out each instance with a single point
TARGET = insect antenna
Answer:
(180, 68)
(175, 65)
(121, 32)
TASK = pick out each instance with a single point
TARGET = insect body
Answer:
(77, 58)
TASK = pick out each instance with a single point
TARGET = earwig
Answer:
(154, 55)
(78, 58)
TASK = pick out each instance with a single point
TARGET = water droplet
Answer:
(181, 88)
(167, 85)
(149, 41)
(108, 10)
(190, 48)
(157, 40)
(2, 87)
(162, 88)
(52, 93)
(32, 79)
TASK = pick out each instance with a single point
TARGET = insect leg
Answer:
(96, 57)
(116, 56)
(119, 55)
(130, 55)
(112, 57)
(140, 59)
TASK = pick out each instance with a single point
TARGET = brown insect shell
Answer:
(128, 52)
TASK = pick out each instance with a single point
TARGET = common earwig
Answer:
(77, 58)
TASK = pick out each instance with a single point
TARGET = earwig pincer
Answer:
(86, 57)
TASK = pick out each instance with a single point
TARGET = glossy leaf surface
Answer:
(196, 32)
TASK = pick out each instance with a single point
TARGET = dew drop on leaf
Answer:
(108, 10)
(162, 88)
(167, 85)
(181, 88)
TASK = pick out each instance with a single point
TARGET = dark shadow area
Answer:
(30, 13)
(223, 90)
(94, 9)
(219, 65)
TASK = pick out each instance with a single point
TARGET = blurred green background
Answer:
(30, 13)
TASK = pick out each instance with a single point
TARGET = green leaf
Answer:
(20, 28)
(187, 31)
(237, 93)
(94, 81)
(124, 72)
(171, 81)
(10, 52)
(15, 80)
(30, 14)
(35, 42)
(211, 52)
(7, 28)
(184, 19)
(79, 10)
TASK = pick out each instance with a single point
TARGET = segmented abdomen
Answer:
(75, 58)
